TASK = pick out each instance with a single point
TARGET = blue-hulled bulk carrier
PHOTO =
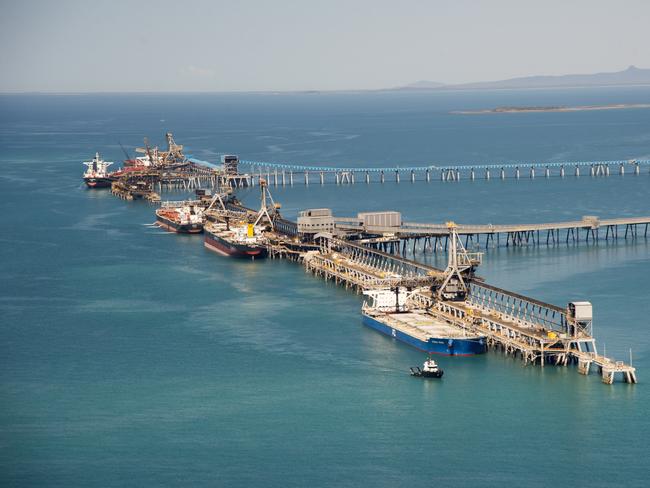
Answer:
(388, 313)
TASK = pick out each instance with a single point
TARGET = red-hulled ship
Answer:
(186, 218)
(241, 241)
(245, 239)
(138, 164)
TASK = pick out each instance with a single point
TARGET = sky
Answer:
(284, 45)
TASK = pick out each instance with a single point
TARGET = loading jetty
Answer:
(428, 237)
(368, 252)
(147, 176)
(170, 169)
(288, 174)
(538, 333)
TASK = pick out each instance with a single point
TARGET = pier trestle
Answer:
(533, 342)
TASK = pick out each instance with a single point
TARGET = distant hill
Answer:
(630, 76)
(422, 85)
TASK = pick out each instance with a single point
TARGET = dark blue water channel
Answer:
(133, 357)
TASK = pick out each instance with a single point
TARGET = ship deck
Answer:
(232, 236)
(422, 325)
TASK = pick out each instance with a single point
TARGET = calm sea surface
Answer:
(133, 357)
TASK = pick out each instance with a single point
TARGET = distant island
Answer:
(630, 76)
(559, 108)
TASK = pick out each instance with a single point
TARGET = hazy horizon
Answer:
(253, 46)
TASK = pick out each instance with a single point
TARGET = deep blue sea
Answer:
(134, 357)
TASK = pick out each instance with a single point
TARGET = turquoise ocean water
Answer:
(133, 357)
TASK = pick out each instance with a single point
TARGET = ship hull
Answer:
(172, 226)
(234, 250)
(98, 182)
(434, 345)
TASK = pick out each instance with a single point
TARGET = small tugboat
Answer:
(96, 174)
(429, 370)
